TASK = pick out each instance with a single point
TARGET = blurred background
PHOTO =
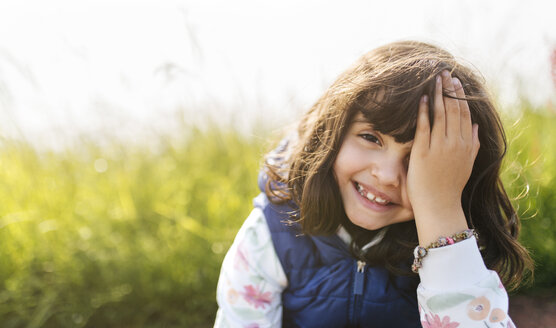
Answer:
(131, 134)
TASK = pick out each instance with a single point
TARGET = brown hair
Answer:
(400, 73)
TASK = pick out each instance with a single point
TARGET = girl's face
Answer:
(371, 171)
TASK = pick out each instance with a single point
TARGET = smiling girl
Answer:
(384, 209)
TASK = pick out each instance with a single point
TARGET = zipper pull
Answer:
(361, 266)
(359, 282)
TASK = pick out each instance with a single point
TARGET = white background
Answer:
(129, 68)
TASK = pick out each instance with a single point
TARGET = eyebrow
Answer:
(361, 120)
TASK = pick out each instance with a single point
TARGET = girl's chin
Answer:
(369, 226)
(378, 221)
(367, 223)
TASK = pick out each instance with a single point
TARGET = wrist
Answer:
(433, 224)
(429, 206)
(421, 252)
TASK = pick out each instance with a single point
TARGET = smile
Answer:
(370, 196)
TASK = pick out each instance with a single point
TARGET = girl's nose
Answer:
(387, 172)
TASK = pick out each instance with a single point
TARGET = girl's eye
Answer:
(370, 137)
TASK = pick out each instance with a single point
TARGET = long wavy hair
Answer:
(386, 85)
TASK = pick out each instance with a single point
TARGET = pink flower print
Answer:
(510, 324)
(433, 321)
(256, 297)
(240, 261)
(252, 325)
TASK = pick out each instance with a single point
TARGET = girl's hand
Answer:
(441, 162)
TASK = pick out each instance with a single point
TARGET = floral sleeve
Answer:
(251, 279)
(457, 290)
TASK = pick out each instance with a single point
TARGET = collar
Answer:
(346, 237)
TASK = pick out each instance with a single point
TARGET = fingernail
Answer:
(425, 98)
(456, 82)
(446, 73)
(438, 79)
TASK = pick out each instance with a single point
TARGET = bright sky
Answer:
(126, 67)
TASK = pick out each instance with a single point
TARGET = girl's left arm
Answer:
(456, 289)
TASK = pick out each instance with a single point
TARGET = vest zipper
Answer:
(358, 286)
(359, 278)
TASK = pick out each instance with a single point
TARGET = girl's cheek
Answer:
(350, 158)
(355, 151)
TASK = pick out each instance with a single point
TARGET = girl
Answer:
(393, 172)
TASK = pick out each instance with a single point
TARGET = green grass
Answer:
(138, 245)
(530, 178)
(133, 236)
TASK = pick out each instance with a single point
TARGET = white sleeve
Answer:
(457, 290)
(251, 282)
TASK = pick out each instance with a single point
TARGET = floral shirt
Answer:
(456, 289)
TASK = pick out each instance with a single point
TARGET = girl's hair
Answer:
(385, 85)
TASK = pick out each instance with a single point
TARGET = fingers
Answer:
(439, 127)
(422, 134)
(465, 114)
(453, 119)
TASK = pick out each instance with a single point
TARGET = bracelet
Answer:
(420, 252)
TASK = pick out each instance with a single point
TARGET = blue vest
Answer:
(328, 287)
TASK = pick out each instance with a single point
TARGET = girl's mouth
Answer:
(370, 196)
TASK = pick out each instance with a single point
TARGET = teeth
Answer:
(370, 196)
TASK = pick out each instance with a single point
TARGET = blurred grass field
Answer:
(133, 236)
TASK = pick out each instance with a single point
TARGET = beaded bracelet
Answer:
(420, 252)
